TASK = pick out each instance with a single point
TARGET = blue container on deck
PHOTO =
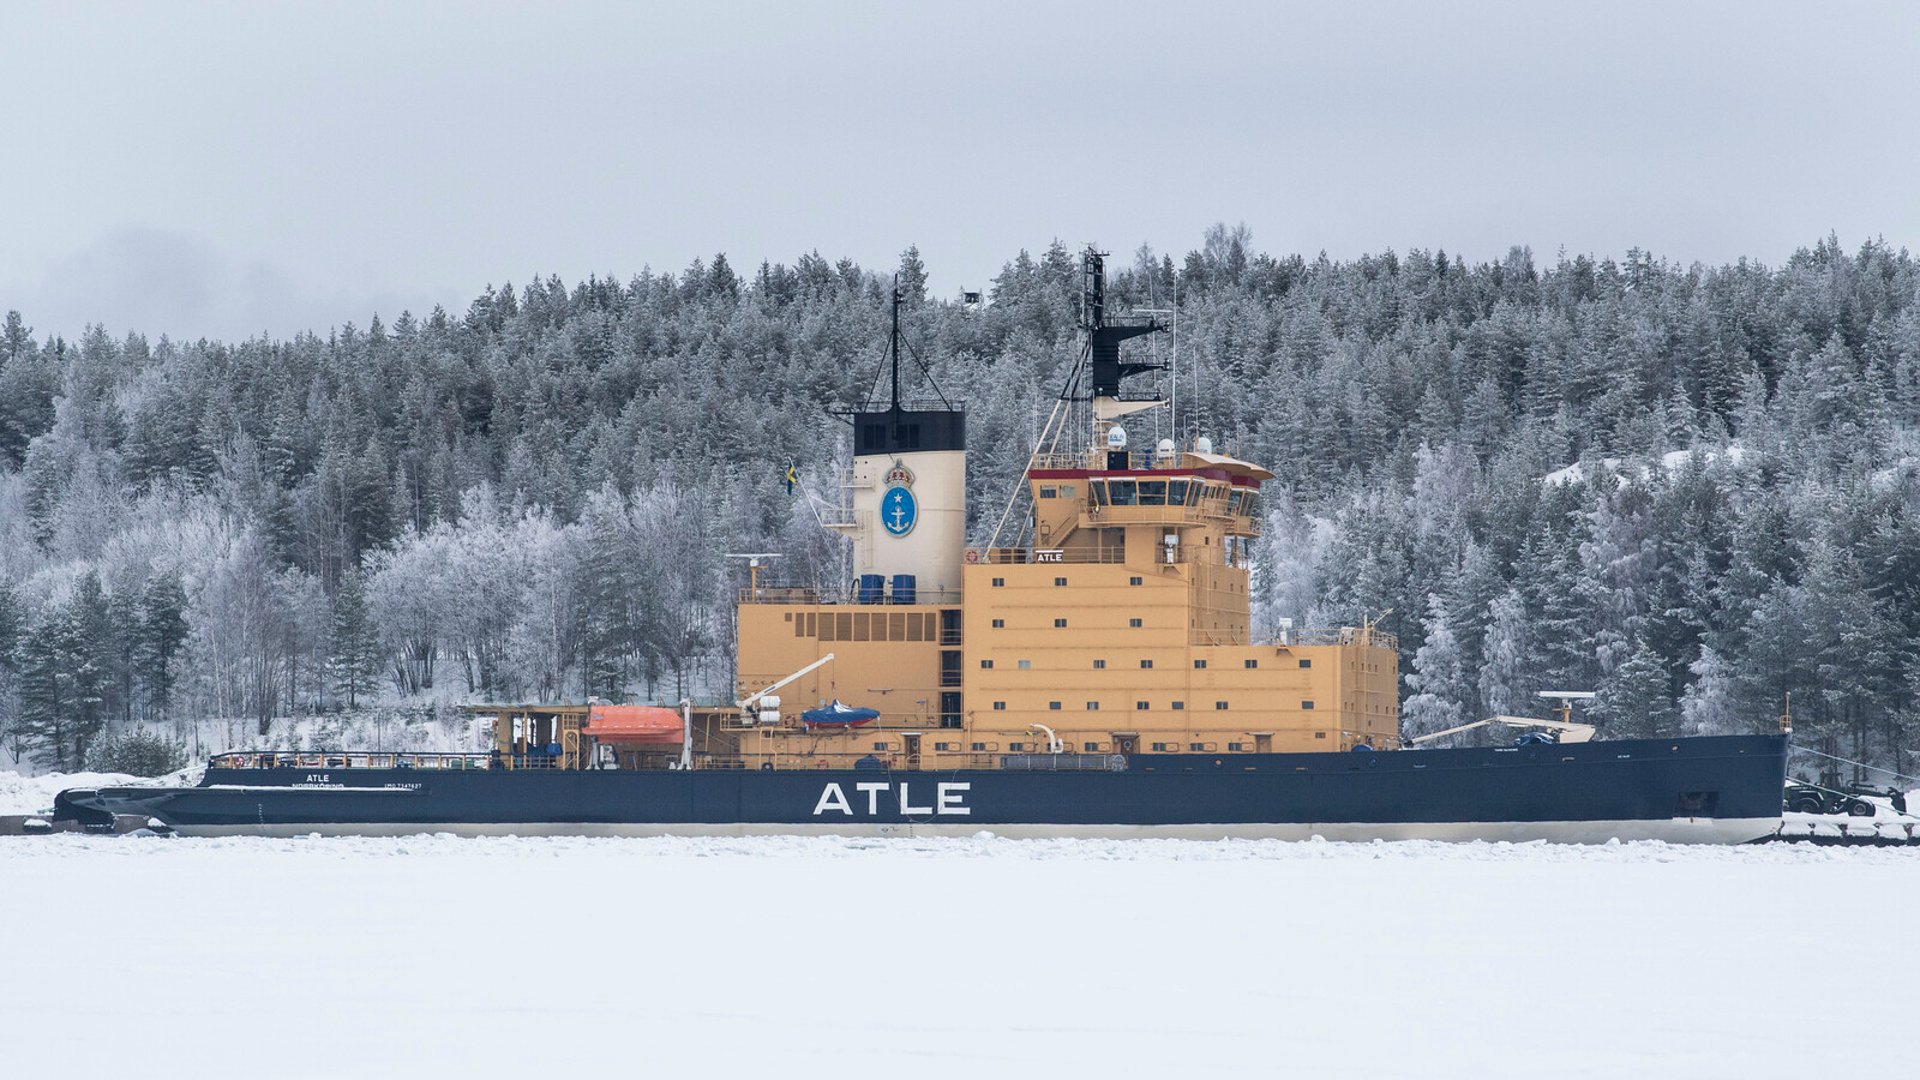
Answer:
(903, 589)
(872, 590)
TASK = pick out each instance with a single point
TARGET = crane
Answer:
(764, 700)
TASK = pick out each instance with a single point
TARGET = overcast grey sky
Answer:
(226, 169)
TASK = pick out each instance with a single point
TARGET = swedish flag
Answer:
(793, 476)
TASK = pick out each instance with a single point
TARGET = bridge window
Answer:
(1177, 492)
(1153, 493)
(1097, 494)
(1121, 491)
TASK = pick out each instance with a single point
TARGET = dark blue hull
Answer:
(1714, 789)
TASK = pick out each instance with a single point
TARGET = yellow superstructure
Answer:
(1122, 628)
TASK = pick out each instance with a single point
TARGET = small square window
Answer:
(1059, 581)
(1093, 706)
(1253, 663)
(880, 746)
(1220, 705)
(1136, 581)
(1141, 706)
(998, 582)
(1133, 623)
(1054, 705)
(998, 706)
(1059, 624)
(999, 624)
(1099, 665)
(1199, 663)
(1047, 493)
(1306, 704)
(986, 664)
(1319, 734)
(1025, 665)
(1306, 663)
(1145, 664)
(1178, 705)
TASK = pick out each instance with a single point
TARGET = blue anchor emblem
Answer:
(898, 509)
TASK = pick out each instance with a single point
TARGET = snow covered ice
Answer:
(813, 957)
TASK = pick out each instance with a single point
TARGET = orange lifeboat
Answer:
(641, 724)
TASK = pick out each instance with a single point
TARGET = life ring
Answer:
(973, 555)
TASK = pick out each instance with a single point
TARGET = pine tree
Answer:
(161, 633)
(353, 645)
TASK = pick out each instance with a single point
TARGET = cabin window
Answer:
(1178, 705)
(1059, 624)
(1066, 491)
(1093, 706)
(1141, 706)
(1099, 665)
(943, 746)
(1234, 747)
(1016, 746)
(999, 582)
(1133, 624)
(1196, 747)
(1122, 492)
(1136, 581)
(1308, 705)
(1306, 663)
(999, 624)
(998, 706)
(1026, 665)
(1160, 746)
(1053, 705)
(880, 746)
(1252, 663)
(981, 745)
(1199, 663)
(1220, 706)
(1046, 493)
(1092, 747)
(1059, 581)
(1145, 664)
(986, 665)
(1153, 493)
(1319, 734)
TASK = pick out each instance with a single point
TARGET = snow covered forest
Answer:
(1694, 489)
